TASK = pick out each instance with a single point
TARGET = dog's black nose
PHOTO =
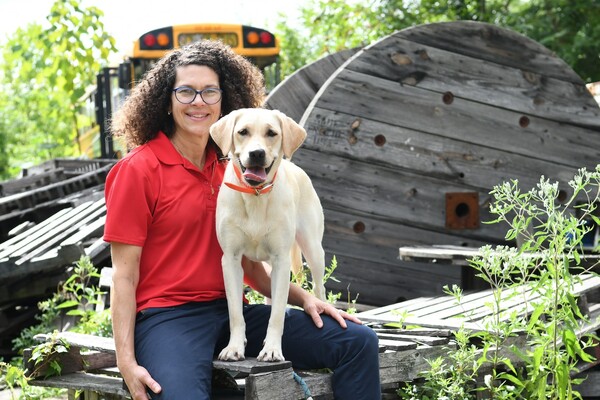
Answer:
(257, 157)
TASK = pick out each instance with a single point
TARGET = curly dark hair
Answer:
(144, 112)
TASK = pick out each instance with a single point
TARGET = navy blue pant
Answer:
(177, 346)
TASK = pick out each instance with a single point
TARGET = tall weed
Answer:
(533, 353)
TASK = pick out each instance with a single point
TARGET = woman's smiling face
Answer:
(195, 118)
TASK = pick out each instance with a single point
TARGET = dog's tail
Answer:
(297, 267)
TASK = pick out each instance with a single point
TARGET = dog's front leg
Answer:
(234, 276)
(280, 286)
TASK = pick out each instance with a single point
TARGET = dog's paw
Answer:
(232, 353)
(270, 354)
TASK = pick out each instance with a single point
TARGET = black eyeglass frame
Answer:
(198, 92)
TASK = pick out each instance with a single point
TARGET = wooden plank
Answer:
(251, 365)
(590, 387)
(29, 241)
(54, 191)
(64, 256)
(37, 230)
(294, 94)
(428, 340)
(29, 182)
(397, 197)
(397, 345)
(84, 381)
(460, 255)
(107, 345)
(488, 81)
(364, 233)
(425, 307)
(415, 332)
(405, 366)
(393, 307)
(445, 313)
(444, 324)
(94, 228)
(492, 43)
(453, 254)
(463, 120)
(51, 239)
(386, 283)
(423, 152)
(74, 360)
(82, 340)
(282, 386)
(98, 249)
(395, 366)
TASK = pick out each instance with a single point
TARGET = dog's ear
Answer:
(222, 131)
(293, 135)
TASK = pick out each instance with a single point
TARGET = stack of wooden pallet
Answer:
(90, 366)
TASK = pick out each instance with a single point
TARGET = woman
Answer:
(168, 298)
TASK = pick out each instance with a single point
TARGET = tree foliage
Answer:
(43, 74)
(567, 27)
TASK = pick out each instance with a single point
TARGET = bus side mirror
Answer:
(125, 81)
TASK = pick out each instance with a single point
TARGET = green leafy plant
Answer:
(42, 356)
(80, 292)
(531, 354)
(44, 363)
(12, 377)
(76, 299)
(44, 71)
(303, 279)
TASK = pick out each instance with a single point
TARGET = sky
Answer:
(126, 20)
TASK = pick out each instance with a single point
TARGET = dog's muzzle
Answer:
(255, 173)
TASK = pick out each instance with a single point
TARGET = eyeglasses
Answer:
(186, 95)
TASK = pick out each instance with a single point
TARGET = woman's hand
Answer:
(315, 307)
(138, 381)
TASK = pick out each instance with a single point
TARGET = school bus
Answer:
(113, 83)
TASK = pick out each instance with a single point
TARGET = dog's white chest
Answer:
(261, 234)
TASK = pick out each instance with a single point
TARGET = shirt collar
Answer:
(167, 153)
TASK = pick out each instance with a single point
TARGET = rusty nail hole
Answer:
(359, 227)
(379, 140)
(448, 98)
(462, 210)
(524, 122)
(562, 196)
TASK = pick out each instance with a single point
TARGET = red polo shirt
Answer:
(160, 201)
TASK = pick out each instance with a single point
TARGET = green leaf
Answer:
(68, 304)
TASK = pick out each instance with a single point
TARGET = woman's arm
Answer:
(257, 276)
(126, 264)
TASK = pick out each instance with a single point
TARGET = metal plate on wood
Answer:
(462, 210)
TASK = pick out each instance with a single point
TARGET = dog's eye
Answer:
(243, 132)
(271, 133)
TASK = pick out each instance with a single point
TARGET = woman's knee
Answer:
(364, 338)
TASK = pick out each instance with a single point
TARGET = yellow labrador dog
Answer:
(267, 210)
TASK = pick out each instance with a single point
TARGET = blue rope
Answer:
(305, 388)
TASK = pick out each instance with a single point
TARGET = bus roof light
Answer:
(149, 40)
(163, 39)
(158, 39)
(252, 37)
(266, 38)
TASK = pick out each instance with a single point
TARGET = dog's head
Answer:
(257, 139)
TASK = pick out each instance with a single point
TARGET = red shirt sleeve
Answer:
(130, 199)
